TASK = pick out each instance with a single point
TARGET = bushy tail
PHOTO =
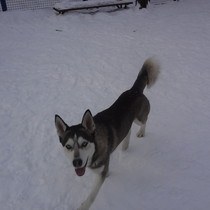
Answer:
(147, 75)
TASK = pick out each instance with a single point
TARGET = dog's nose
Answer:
(77, 163)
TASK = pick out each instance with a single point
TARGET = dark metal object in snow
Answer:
(3, 5)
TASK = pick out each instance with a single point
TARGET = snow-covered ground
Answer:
(68, 63)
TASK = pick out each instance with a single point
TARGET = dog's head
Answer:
(78, 141)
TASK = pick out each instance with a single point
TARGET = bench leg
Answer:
(119, 6)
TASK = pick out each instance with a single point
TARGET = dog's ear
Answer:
(88, 122)
(60, 125)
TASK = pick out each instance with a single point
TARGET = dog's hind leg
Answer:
(141, 132)
(126, 141)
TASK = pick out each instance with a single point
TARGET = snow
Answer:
(64, 64)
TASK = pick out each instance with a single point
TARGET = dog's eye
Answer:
(84, 144)
(68, 147)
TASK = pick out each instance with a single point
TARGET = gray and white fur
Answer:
(90, 143)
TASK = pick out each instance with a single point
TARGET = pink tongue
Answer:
(80, 171)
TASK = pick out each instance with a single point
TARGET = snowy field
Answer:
(64, 64)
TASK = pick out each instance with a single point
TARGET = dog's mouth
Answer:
(81, 171)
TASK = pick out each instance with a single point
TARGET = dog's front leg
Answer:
(90, 199)
(97, 185)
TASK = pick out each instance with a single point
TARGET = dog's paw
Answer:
(82, 207)
(140, 134)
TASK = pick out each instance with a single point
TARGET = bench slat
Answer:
(69, 6)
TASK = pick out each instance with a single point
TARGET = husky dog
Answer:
(90, 143)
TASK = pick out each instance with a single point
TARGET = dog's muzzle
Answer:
(77, 163)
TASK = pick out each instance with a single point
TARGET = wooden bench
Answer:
(63, 7)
